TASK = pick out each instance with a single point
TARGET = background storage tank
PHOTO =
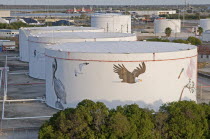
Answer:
(162, 24)
(205, 24)
(118, 73)
(206, 36)
(37, 44)
(25, 32)
(112, 22)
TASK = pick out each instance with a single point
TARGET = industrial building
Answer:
(7, 45)
(205, 24)
(8, 33)
(5, 13)
(162, 24)
(38, 42)
(25, 32)
(166, 12)
(118, 73)
(112, 22)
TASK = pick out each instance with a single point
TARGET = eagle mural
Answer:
(127, 76)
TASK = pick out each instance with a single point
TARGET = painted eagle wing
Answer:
(121, 71)
(139, 70)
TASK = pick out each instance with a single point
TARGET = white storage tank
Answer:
(119, 73)
(38, 42)
(112, 22)
(206, 36)
(25, 32)
(205, 24)
(162, 24)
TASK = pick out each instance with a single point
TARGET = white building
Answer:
(119, 73)
(38, 42)
(25, 32)
(4, 13)
(8, 33)
(112, 22)
(162, 24)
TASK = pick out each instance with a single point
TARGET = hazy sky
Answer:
(101, 2)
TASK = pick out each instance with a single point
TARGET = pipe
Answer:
(21, 100)
(16, 73)
(27, 84)
(19, 118)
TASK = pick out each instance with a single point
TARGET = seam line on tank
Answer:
(123, 61)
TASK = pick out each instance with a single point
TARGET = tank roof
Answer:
(79, 35)
(121, 47)
(60, 28)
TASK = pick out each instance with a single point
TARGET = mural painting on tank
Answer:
(59, 88)
(190, 86)
(127, 76)
(79, 69)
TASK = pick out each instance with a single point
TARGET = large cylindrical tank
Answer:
(162, 24)
(205, 24)
(37, 44)
(206, 36)
(118, 73)
(112, 22)
(25, 32)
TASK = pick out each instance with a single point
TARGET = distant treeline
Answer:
(15, 25)
(190, 40)
(93, 120)
(196, 16)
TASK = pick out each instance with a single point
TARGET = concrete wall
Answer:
(203, 58)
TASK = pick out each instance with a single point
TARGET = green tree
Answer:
(118, 126)
(181, 41)
(168, 31)
(158, 40)
(185, 119)
(140, 120)
(194, 41)
(87, 120)
(200, 31)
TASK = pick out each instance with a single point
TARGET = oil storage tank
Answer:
(118, 73)
(25, 32)
(205, 24)
(37, 44)
(112, 22)
(162, 24)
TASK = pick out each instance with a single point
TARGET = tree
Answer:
(181, 41)
(118, 126)
(194, 40)
(87, 120)
(185, 119)
(168, 31)
(140, 120)
(200, 30)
